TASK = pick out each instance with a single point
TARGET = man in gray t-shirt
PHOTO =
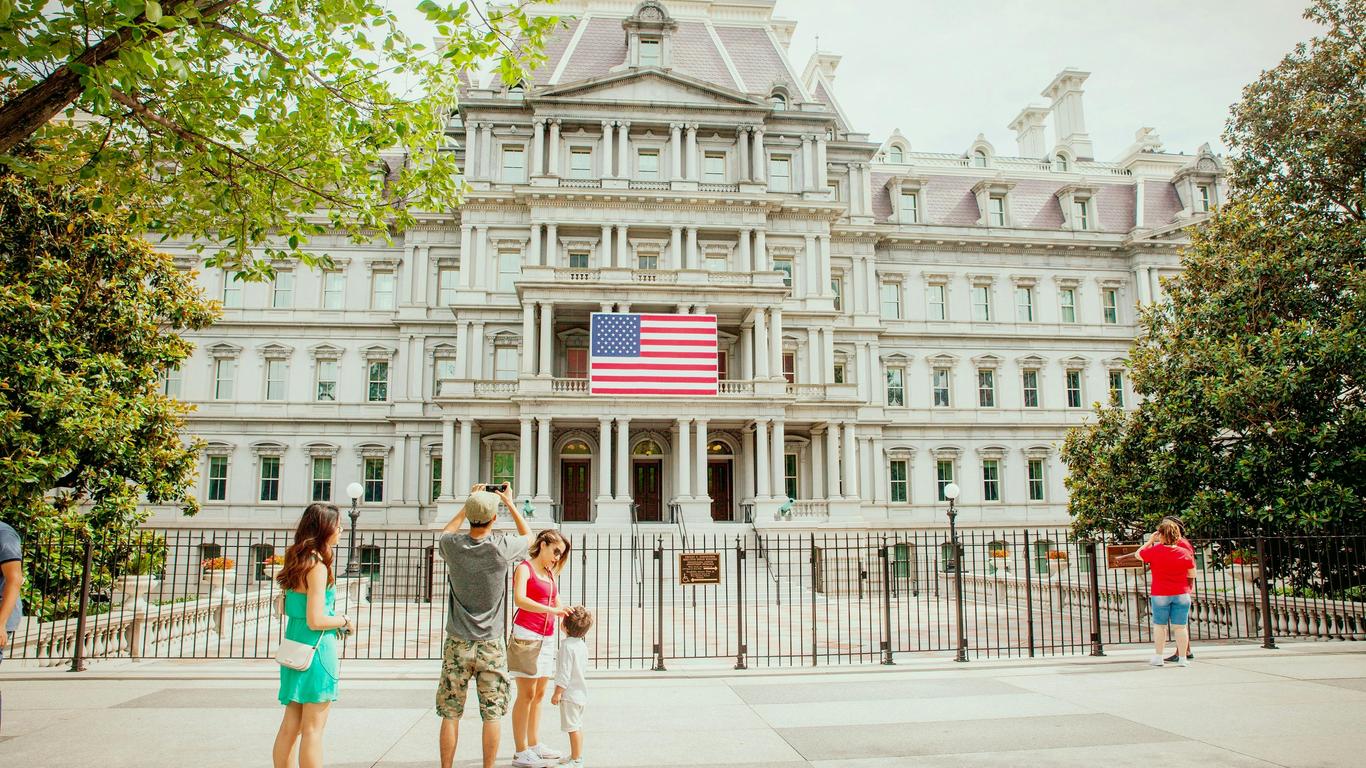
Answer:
(477, 567)
(11, 580)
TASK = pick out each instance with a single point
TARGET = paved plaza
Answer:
(1237, 705)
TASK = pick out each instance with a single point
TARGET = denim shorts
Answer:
(1171, 609)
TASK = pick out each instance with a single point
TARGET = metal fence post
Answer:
(741, 650)
(1029, 594)
(78, 655)
(1267, 640)
(659, 604)
(1097, 649)
(885, 556)
(814, 564)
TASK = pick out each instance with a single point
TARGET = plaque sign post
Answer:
(699, 567)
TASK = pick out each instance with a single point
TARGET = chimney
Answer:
(1069, 119)
(1028, 128)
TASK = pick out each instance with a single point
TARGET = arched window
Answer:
(895, 155)
(575, 448)
(778, 101)
(979, 158)
(718, 448)
(1060, 163)
(648, 448)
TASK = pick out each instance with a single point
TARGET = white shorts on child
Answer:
(545, 662)
(571, 716)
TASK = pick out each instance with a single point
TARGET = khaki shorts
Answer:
(484, 660)
(571, 716)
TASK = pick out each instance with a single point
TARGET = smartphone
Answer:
(495, 487)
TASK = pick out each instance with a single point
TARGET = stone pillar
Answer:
(623, 251)
(466, 254)
(1144, 283)
(524, 487)
(703, 493)
(547, 338)
(486, 157)
(760, 344)
(528, 338)
(761, 251)
(860, 380)
(624, 149)
(605, 245)
(478, 252)
(760, 160)
(604, 460)
(818, 463)
(761, 469)
(554, 169)
(691, 261)
(606, 159)
(543, 457)
(822, 171)
(742, 142)
(808, 162)
(832, 463)
(684, 481)
(779, 452)
(775, 344)
(746, 352)
(745, 465)
(623, 459)
(552, 246)
(400, 465)
(471, 168)
(447, 459)
(537, 143)
(477, 354)
(675, 151)
(881, 488)
(826, 271)
(746, 261)
(692, 161)
(829, 348)
(811, 268)
(465, 478)
(875, 375)
(533, 255)
(851, 490)
(462, 350)
(676, 248)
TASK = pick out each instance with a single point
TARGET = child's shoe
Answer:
(528, 759)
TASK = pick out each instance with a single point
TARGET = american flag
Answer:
(646, 354)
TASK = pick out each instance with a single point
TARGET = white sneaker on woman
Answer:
(1156, 661)
(572, 763)
(544, 752)
(528, 759)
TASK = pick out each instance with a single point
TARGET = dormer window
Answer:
(1060, 163)
(1075, 201)
(895, 155)
(979, 159)
(778, 102)
(910, 207)
(1203, 189)
(996, 210)
(648, 34)
(649, 52)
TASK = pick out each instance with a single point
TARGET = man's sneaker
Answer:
(1172, 659)
(1156, 661)
(528, 759)
(544, 752)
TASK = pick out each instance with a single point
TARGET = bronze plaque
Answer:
(699, 567)
(1119, 556)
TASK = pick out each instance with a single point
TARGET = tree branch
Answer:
(280, 56)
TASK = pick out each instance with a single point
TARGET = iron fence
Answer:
(779, 599)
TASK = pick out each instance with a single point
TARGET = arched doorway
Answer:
(721, 480)
(647, 480)
(576, 482)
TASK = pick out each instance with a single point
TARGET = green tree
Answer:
(1251, 375)
(248, 124)
(90, 319)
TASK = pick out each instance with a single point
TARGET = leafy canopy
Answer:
(250, 124)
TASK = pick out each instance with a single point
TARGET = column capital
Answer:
(692, 127)
(538, 121)
(545, 304)
(608, 123)
(525, 420)
(742, 130)
(543, 419)
(623, 123)
(759, 131)
(553, 120)
(675, 126)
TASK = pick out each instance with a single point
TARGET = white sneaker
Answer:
(528, 759)
(544, 752)
(1183, 662)
(572, 763)
(1156, 661)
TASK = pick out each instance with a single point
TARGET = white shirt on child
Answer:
(570, 669)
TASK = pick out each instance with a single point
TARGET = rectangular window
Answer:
(327, 381)
(891, 300)
(1117, 388)
(1067, 305)
(282, 290)
(996, 206)
(714, 168)
(991, 480)
(943, 476)
(723, 366)
(941, 387)
(1036, 479)
(444, 369)
(218, 478)
(445, 286)
(578, 260)
(986, 388)
(382, 289)
(374, 480)
(509, 269)
(648, 162)
(1083, 215)
(580, 163)
(270, 478)
(170, 382)
(900, 490)
(784, 266)
(837, 288)
(576, 363)
(1024, 304)
(896, 386)
(717, 262)
(790, 475)
(505, 364)
(276, 371)
(435, 479)
(232, 291)
(647, 261)
(910, 212)
(1110, 302)
(224, 376)
(514, 165)
(1204, 198)
(334, 290)
(1030, 379)
(981, 303)
(378, 381)
(936, 308)
(649, 53)
(790, 367)
(1074, 389)
(505, 468)
(839, 373)
(779, 174)
(322, 478)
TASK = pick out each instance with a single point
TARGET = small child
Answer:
(571, 690)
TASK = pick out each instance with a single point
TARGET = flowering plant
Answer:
(217, 564)
(1002, 553)
(274, 560)
(1242, 556)
(1057, 554)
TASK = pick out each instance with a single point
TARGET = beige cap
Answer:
(481, 507)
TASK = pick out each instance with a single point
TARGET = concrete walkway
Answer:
(1301, 705)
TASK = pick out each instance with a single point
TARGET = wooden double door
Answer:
(576, 490)
(721, 489)
(647, 489)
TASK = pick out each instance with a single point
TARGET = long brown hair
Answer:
(318, 523)
(549, 536)
(1169, 532)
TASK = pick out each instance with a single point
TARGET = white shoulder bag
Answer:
(296, 655)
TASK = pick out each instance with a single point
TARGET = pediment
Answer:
(652, 86)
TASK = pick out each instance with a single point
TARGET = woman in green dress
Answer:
(307, 582)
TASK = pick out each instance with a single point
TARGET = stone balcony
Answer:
(594, 285)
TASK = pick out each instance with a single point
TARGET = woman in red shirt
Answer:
(1171, 565)
(536, 593)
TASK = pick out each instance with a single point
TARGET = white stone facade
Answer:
(883, 311)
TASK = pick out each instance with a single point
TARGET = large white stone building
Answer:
(890, 319)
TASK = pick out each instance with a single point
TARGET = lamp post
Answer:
(951, 492)
(355, 491)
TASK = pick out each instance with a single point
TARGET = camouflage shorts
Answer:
(484, 660)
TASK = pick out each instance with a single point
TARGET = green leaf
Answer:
(152, 10)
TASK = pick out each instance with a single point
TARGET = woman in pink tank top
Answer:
(536, 594)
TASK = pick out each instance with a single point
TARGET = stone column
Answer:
(676, 248)
(828, 346)
(811, 268)
(486, 157)
(528, 338)
(860, 380)
(876, 375)
(691, 261)
(524, 487)
(746, 262)
(478, 252)
(779, 453)
(623, 459)
(832, 463)
(462, 350)
(477, 355)
(606, 159)
(775, 344)
(547, 338)
(746, 352)
(676, 151)
(1144, 283)
(822, 171)
(761, 251)
(742, 142)
(684, 481)
(878, 460)
(827, 272)
(554, 169)
(761, 470)
(818, 464)
(604, 460)
(760, 160)
(533, 255)
(465, 478)
(745, 465)
(605, 246)
(700, 448)
(623, 250)
(447, 459)
(624, 149)
(808, 162)
(851, 490)
(760, 344)
(471, 150)
(537, 143)
(466, 254)
(693, 161)
(542, 457)
(552, 246)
